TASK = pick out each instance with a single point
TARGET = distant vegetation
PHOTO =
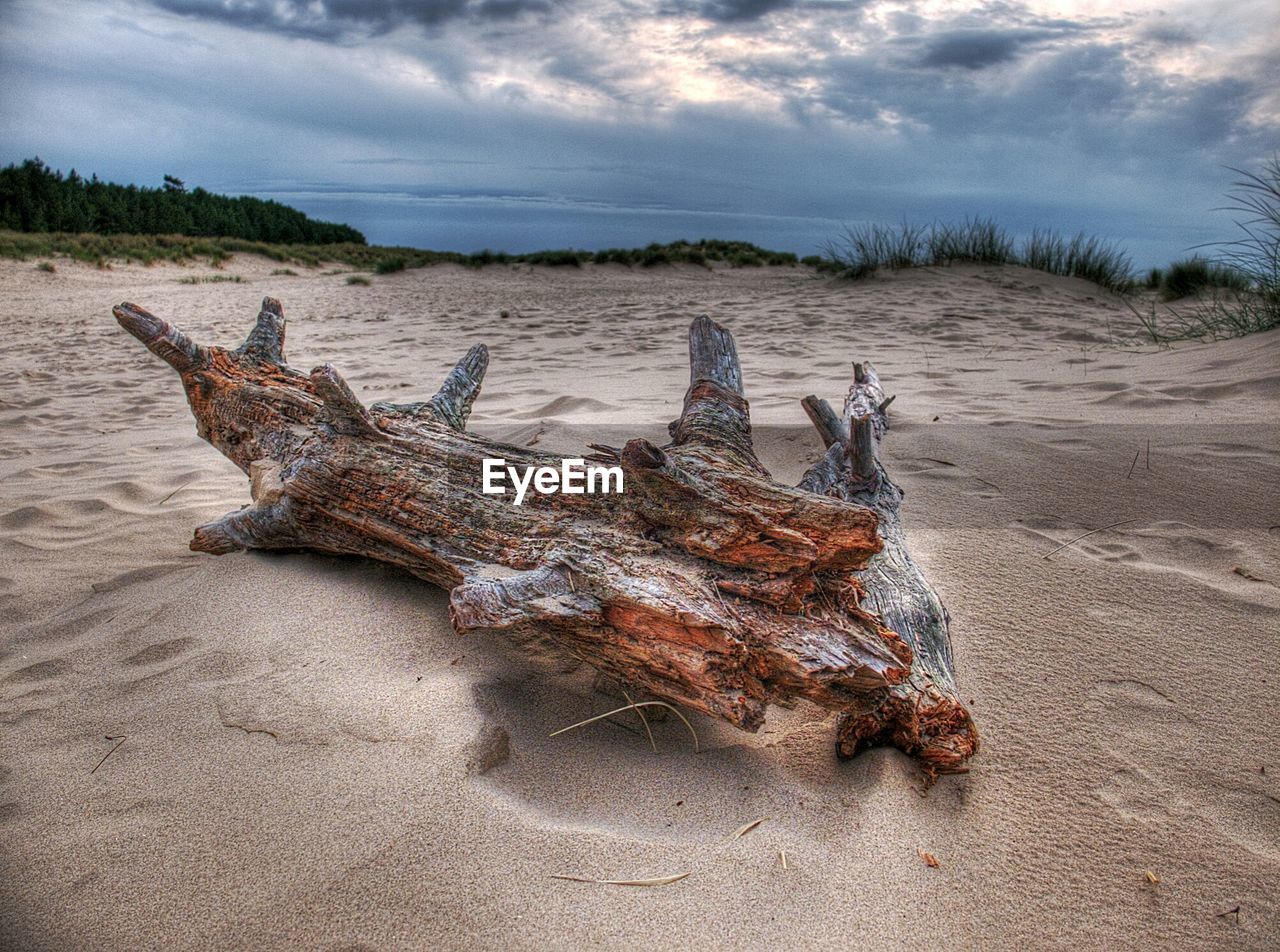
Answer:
(35, 198)
(1231, 293)
(1192, 276)
(866, 249)
(736, 254)
(1235, 292)
(211, 279)
(151, 249)
(390, 265)
(44, 214)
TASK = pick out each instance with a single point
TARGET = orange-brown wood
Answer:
(705, 583)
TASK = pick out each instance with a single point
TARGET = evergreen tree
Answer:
(34, 197)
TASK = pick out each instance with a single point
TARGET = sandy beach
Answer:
(301, 753)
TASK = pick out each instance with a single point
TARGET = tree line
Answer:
(36, 198)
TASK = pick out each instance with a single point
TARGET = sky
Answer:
(527, 124)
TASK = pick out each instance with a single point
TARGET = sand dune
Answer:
(311, 758)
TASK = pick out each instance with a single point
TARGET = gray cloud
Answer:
(493, 133)
(333, 19)
(726, 11)
(1168, 34)
(977, 49)
(732, 11)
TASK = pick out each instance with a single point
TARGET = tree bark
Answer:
(923, 715)
(705, 583)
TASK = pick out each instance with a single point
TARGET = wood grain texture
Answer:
(924, 714)
(705, 583)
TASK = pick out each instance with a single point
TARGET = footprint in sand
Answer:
(927, 468)
(490, 748)
(755, 776)
(314, 702)
(1191, 552)
(1154, 783)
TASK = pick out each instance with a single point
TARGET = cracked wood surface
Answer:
(705, 583)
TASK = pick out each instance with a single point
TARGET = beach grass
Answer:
(211, 279)
(1195, 275)
(865, 249)
(1234, 291)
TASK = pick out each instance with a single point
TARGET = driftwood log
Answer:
(704, 583)
(922, 715)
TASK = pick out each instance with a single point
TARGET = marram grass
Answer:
(865, 249)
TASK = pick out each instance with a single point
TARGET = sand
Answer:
(312, 759)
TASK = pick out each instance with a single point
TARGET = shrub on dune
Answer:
(1194, 275)
(1242, 280)
(390, 265)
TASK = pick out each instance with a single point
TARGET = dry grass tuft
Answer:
(634, 707)
(746, 828)
(655, 881)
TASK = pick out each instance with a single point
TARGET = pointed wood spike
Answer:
(713, 355)
(452, 402)
(266, 341)
(715, 411)
(867, 398)
(824, 420)
(862, 448)
(253, 527)
(924, 716)
(161, 338)
(343, 410)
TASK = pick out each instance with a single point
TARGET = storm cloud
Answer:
(731, 11)
(530, 123)
(976, 49)
(333, 19)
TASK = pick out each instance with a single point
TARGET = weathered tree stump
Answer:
(923, 715)
(705, 583)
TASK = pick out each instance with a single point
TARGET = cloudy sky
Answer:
(523, 124)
